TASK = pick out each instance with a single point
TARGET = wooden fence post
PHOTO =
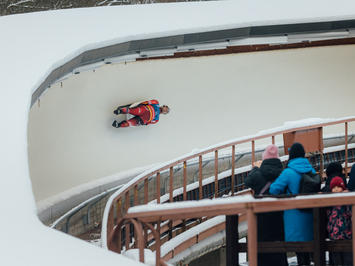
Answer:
(252, 238)
(319, 235)
(232, 238)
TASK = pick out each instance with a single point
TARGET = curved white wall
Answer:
(212, 99)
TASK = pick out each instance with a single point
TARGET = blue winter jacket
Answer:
(298, 224)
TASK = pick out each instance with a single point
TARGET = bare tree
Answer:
(9, 7)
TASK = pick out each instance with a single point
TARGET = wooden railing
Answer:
(119, 203)
(232, 208)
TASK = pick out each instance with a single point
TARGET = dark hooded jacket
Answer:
(269, 170)
(270, 225)
(351, 184)
(326, 188)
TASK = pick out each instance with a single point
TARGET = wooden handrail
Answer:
(251, 206)
(242, 141)
(276, 247)
(108, 221)
(236, 205)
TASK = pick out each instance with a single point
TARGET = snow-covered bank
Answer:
(32, 45)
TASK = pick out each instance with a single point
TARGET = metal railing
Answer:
(119, 203)
(89, 202)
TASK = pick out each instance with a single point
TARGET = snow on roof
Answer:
(34, 44)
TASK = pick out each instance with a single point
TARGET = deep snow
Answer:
(34, 44)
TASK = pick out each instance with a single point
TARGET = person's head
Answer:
(164, 109)
(337, 184)
(271, 152)
(296, 151)
(334, 167)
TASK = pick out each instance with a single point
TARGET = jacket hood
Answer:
(334, 175)
(300, 165)
(271, 169)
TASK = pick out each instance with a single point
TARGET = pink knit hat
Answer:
(271, 152)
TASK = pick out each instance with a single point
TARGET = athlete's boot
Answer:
(115, 124)
(117, 111)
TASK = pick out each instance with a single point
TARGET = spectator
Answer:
(298, 224)
(351, 184)
(339, 225)
(333, 169)
(270, 225)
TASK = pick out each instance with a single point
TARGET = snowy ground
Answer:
(34, 44)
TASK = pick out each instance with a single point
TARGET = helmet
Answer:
(168, 109)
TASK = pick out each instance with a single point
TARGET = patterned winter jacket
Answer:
(339, 222)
